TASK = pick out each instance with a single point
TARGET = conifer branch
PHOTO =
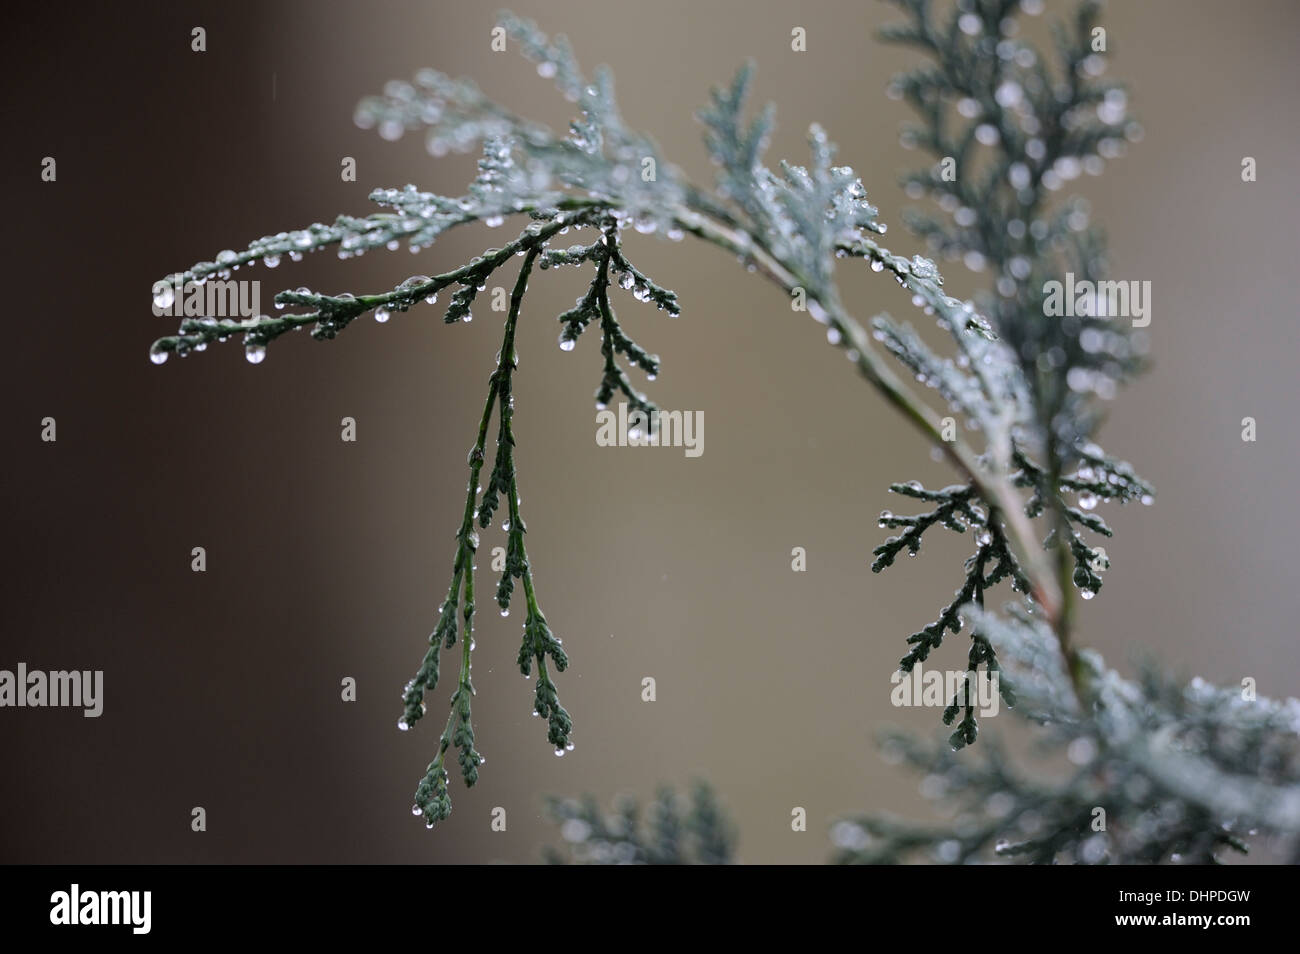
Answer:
(1029, 387)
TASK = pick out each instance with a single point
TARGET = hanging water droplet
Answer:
(1087, 500)
(255, 353)
(1087, 594)
(271, 261)
(381, 315)
(431, 299)
(158, 357)
(833, 335)
(567, 344)
(494, 221)
(403, 725)
(505, 612)
(568, 747)
(1147, 500)
(559, 753)
(164, 297)
(625, 280)
(417, 810)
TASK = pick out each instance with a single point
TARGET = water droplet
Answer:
(1087, 501)
(923, 267)
(417, 810)
(559, 753)
(431, 299)
(567, 344)
(984, 538)
(271, 261)
(158, 357)
(164, 297)
(1147, 500)
(255, 353)
(1087, 594)
(494, 221)
(505, 612)
(568, 747)
(381, 315)
(403, 725)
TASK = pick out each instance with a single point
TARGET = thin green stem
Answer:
(997, 492)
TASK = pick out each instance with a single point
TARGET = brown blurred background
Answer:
(328, 559)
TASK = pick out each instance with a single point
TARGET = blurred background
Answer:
(328, 559)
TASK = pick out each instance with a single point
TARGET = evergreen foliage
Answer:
(1180, 770)
(677, 831)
